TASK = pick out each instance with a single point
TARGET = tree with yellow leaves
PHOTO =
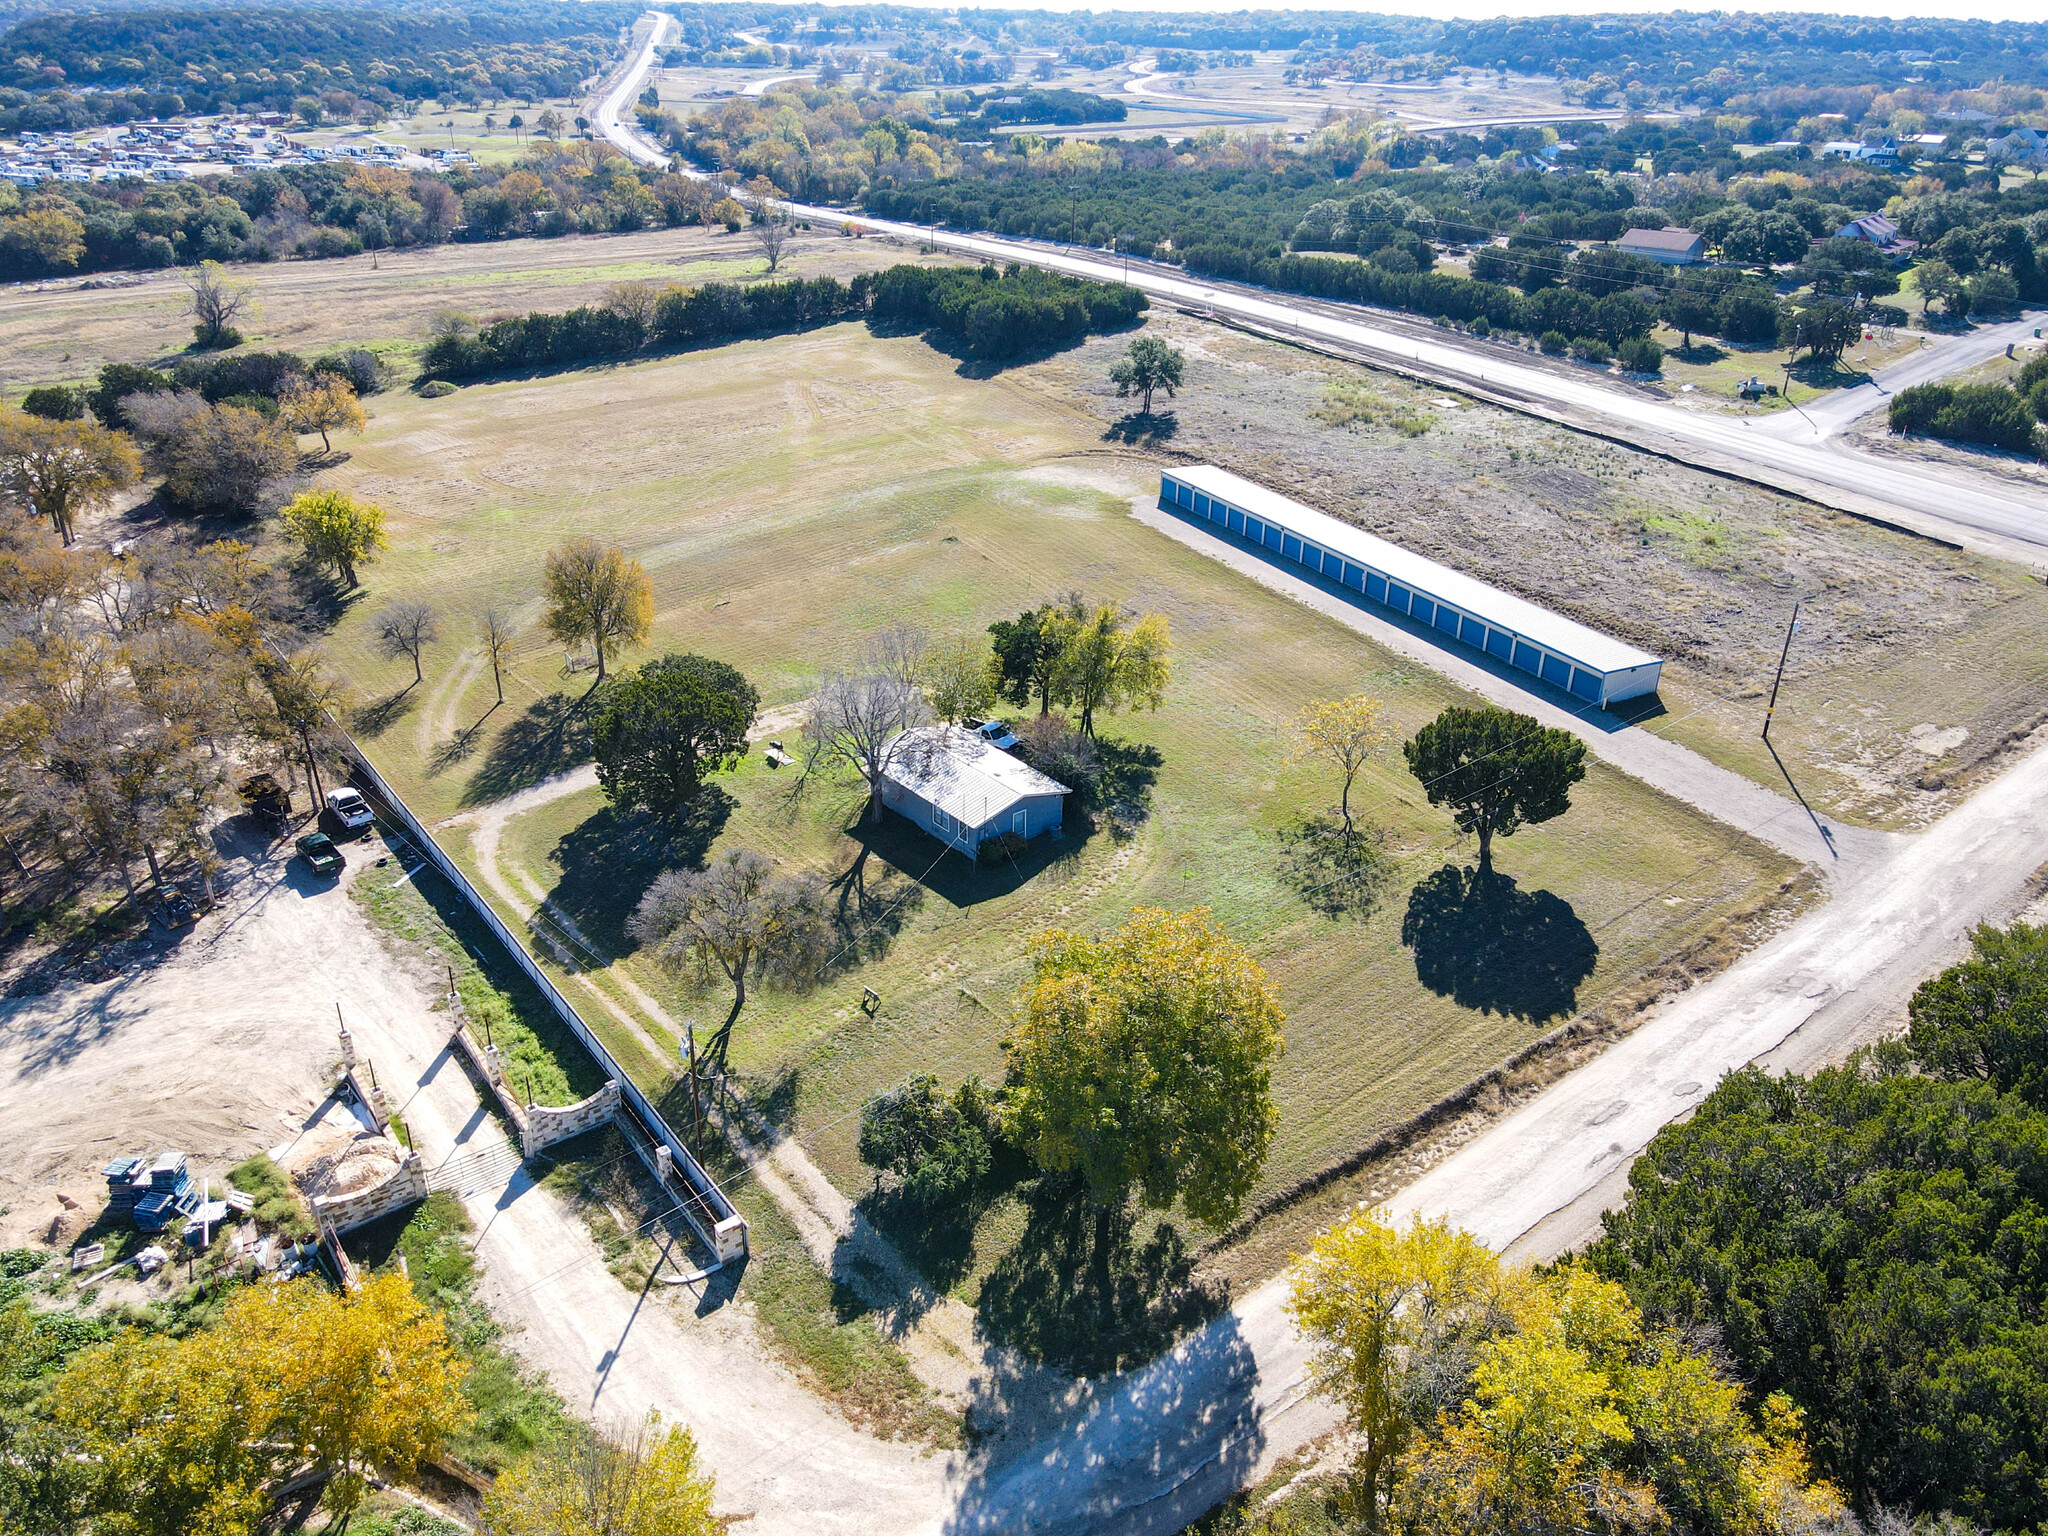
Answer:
(336, 530)
(1144, 1061)
(1110, 663)
(1493, 1400)
(323, 403)
(62, 469)
(184, 1435)
(1347, 732)
(597, 595)
(590, 1483)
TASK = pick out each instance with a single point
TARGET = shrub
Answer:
(1592, 349)
(362, 370)
(2037, 398)
(1482, 327)
(117, 382)
(220, 379)
(1052, 745)
(54, 402)
(938, 1148)
(1555, 343)
(1002, 848)
(1641, 355)
(1007, 314)
(213, 458)
(434, 389)
(1966, 413)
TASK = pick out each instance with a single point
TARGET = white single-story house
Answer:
(964, 790)
(1673, 247)
(1855, 149)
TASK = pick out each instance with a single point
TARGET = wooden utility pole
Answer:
(696, 1103)
(1786, 650)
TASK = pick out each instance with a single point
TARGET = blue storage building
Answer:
(1583, 662)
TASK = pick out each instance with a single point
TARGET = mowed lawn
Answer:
(790, 496)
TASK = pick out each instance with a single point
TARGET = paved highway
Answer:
(2011, 518)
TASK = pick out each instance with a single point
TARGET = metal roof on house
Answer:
(1555, 633)
(963, 774)
(1660, 239)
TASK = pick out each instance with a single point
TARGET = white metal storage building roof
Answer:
(1591, 666)
(962, 773)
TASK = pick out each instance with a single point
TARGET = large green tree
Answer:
(1144, 1061)
(1028, 651)
(1873, 1241)
(660, 731)
(1497, 770)
(1149, 365)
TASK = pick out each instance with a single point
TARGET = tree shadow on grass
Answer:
(868, 909)
(1083, 1292)
(318, 597)
(1485, 944)
(609, 859)
(459, 747)
(1338, 873)
(551, 736)
(376, 718)
(940, 1244)
(1122, 795)
(1143, 428)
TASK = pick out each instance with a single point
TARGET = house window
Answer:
(941, 822)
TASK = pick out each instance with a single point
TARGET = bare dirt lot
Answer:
(1913, 663)
(219, 1041)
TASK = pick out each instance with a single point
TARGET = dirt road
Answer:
(785, 1462)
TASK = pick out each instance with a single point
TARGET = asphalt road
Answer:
(2014, 519)
(1936, 360)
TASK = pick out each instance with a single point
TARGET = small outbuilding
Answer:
(964, 790)
(1673, 247)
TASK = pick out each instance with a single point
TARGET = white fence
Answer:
(723, 1229)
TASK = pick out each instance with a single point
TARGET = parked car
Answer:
(320, 854)
(996, 733)
(350, 809)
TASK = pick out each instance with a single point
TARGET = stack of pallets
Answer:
(151, 1192)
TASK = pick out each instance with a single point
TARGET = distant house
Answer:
(963, 790)
(1851, 149)
(1872, 228)
(2022, 144)
(1673, 247)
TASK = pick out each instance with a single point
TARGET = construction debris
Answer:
(151, 1194)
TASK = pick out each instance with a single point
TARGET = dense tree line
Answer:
(1873, 1241)
(676, 317)
(993, 316)
(228, 57)
(1711, 57)
(998, 316)
(337, 210)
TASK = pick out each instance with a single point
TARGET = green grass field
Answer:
(789, 496)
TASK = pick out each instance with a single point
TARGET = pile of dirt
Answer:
(359, 1163)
